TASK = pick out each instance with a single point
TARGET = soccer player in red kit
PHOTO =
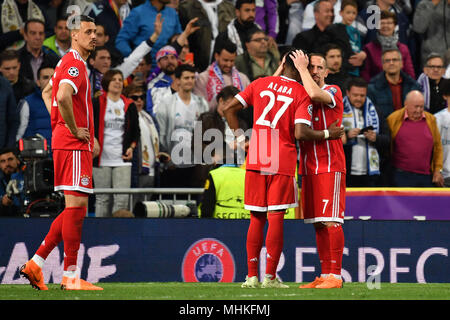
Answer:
(67, 97)
(280, 104)
(323, 171)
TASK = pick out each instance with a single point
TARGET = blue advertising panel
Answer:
(148, 250)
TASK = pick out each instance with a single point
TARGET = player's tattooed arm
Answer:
(306, 133)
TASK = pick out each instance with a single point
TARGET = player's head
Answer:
(318, 68)
(82, 30)
(290, 70)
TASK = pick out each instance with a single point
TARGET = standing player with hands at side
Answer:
(280, 106)
(67, 97)
(323, 182)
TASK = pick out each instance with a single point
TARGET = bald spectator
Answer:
(417, 153)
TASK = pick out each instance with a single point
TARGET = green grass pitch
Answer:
(230, 291)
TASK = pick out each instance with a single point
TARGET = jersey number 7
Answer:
(286, 102)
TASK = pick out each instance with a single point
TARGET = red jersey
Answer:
(325, 155)
(278, 103)
(72, 69)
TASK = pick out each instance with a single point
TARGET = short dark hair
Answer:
(253, 31)
(34, 20)
(182, 68)
(357, 82)
(288, 62)
(239, 3)
(227, 93)
(9, 55)
(433, 55)
(352, 3)
(317, 5)
(391, 49)
(317, 54)
(226, 44)
(385, 14)
(107, 78)
(8, 150)
(73, 19)
(96, 50)
(42, 67)
(331, 46)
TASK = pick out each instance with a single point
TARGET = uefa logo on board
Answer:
(208, 260)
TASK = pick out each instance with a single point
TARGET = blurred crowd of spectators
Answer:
(162, 66)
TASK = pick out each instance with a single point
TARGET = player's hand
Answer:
(335, 131)
(82, 134)
(96, 150)
(300, 59)
(353, 133)
(438, 179)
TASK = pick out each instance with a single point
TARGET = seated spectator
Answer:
(34, 116)
(259, 60)
(366, 152)
(417, 155)
(60, 42)
(177, 122)
(389, 88)
(309, 19)
(111, 15)
(443, 123)
(9, 121)
(220, 73)
(145, 166)
(350, 35)
(34, 53)
(213, 18)
(336, 73)
(117, 134)
(239, 27)
(432, 20)
(14, 14)
(10, 69)
(385, 39)
(163, 84)
(136, 27)
(431, 80)
(11, 183)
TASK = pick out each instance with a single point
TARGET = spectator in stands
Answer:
(163, 84)
(290, 13)
(417, 155)
(10, 68)
(60, 42)
(9, 121)
(111, 15)
(136, 27)
(259, 59)
(34, 53)
(322, 33)
(14, 13)
(447, 64)
(432, 21)
(366, 152)
(102, 40)
(443, 124)
(141, 72)
(220, 73)
(117, 134)
(309, 17)
(385, 39)
(388, 89)
(213, 18)
(431, 81)
(34, 116)
(11, 183)
(336, 73)
(266, 16)
(176, 122)
(99, 63)
(145, 162)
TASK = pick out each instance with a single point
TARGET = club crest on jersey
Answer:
(73, 72)
(85, 180)
(208, 260)
(332, 90)
(310, 110)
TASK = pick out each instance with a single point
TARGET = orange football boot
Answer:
(77, 284)
(313, 284)
(33, 273)
(330, 282)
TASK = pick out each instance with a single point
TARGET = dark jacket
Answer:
(49, 59)
(131, 131)
(23, 87)
(105, 15)
(9, 115)
(380, 92)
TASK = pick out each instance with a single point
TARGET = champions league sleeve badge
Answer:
(73, 72)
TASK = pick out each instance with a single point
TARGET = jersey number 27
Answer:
(272, 98)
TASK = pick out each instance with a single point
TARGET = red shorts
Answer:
(73, 170)
(323, 197)
(269, 192)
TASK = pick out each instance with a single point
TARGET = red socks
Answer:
(255, 238)
(330, 246)
(71, 234)
(53, 237)
(274, 241)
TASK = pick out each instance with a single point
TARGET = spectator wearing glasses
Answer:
(389, 88)
(259, 60)
(431, 82)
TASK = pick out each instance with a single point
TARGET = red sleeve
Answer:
(246, 96)
(304, 108)
(73, 74)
